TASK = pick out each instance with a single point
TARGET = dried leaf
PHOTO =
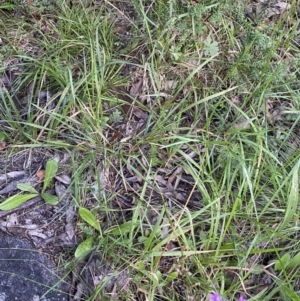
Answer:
(41, 175)
(136, 88)
(79, 291)
(169, 85)
(70, 214)
(2, 145)
(278, 8)
(65, 159)
(282, 5)
(12, 220)
(12, 175)
(38, 233)
(29, 227)
(140, 114)
(70, 231)
(69, 228)
(60, 189)
(65, 179)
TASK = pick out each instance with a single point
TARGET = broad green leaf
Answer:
(293, 198)
(159, 275)
(211, 47)
(50, 172)
(122, 229)
(154, 277)
(89, 217)
(50, 199)
(294, 262)
(281, 264)
(85, 247)
(7, 5)
(172, 276)
(16, 200)
(26, 187)
(2, 137)
(140, 265)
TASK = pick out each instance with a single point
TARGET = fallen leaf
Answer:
(2, 145)
(41, 175)
(278, 8)
(12, 175)
(125, 139)
(69, 228)
(169, 85)
(37, 232)
(60, 189)
(136, 88)
(140, 114)
(65, 179)
(70, 231)
(12, 220)
(282, 5)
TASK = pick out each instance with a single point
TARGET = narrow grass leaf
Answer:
(15, 201)
(50, 198)
(26, 188)
(293, 199)
(50, 172)
(84, 248)
(89, 217)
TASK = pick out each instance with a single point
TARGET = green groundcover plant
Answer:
(188, 179)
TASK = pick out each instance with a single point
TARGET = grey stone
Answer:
(26, 274)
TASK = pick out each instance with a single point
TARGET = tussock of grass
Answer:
(201, 196)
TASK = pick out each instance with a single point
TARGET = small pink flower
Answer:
(216, 297)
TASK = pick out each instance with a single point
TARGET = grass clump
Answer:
(182, 120)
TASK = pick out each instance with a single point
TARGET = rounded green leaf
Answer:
(294, 262)
(16, 200)
(85, 247)
(282, 263)
(172, 276)
(50, 172)
(89, 217)
(50, 199)
(26, 188)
